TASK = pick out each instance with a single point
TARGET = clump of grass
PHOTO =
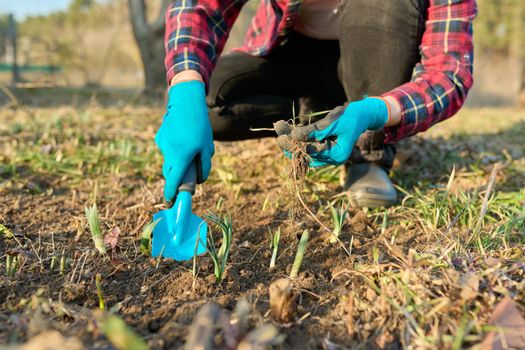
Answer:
(94, 226)
(478, 216)
(145, 240)
(220, 257)
(275, 246)
(338, 220)
(300, 254)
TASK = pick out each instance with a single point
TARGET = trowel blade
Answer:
(176, 234)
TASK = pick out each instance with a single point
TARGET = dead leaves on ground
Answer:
(428, 298)
(508, 328)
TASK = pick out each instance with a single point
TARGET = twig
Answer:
(262, 129)
(484, 205)
(320, 223)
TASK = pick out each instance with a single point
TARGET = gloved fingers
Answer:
(319, 130)
(335, 155)
(315, 163)
(173, 179)
(303, 133)
(281, 127)
(317, 147)
(285, 142)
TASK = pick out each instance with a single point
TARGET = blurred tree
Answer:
(3, 40)
(500, 29)
(150, 40)
(12, 44)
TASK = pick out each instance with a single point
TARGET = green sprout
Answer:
(299, 255)
(275, 246)
(101, 302)
(145, 240)
(120, 335)
(338, 219)
(220, 257)
(62, 262)
(11, 264)
(94, 226)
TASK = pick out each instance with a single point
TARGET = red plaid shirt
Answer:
(196, 32)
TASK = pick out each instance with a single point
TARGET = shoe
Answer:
(368, 186)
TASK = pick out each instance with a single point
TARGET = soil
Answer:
(337, 300)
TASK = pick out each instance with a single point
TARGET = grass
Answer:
(11, 264)
(94, 227)
(275, 247)
(220, 256)
(299, 255)
(100, 294)
(338, 219)
(403, 278)
(145, 238)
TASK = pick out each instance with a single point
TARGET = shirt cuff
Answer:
(180, 62)
(394, 133)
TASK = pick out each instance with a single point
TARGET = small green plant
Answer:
(275, 246)
(54, 260)
(338, 219)
(299, 255)
(101, 302)
(120, 335)
(94, 226)
(11, 264)
(145, 240)
(62, 262)
(220, 257)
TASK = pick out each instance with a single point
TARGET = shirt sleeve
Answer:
(441, 81)
(196, 31)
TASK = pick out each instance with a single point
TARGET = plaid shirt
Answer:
(196, 32)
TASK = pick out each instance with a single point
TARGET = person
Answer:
(392, 69)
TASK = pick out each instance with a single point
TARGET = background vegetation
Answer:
(94, 44)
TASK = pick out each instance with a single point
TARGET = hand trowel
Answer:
(178, 230)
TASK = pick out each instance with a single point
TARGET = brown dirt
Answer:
(342, 299)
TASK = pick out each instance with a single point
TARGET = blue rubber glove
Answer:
(185, 135)
(332, 139)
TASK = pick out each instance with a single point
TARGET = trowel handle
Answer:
(189, 181)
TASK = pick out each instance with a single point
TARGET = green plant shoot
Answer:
(11, 265)
(220, 257)
(338, 219)
(120, 335)
(275, 247)
(145, 240)
(94, 226)
(299, 255)
(101, 302)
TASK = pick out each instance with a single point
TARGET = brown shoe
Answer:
(368, 185)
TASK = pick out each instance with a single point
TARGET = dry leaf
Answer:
(111, 239)
(492, 262)
(469, 283)
(510, 332)
(283, 300)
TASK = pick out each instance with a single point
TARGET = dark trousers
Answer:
(377, 50)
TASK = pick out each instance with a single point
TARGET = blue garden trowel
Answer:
(176, 234)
